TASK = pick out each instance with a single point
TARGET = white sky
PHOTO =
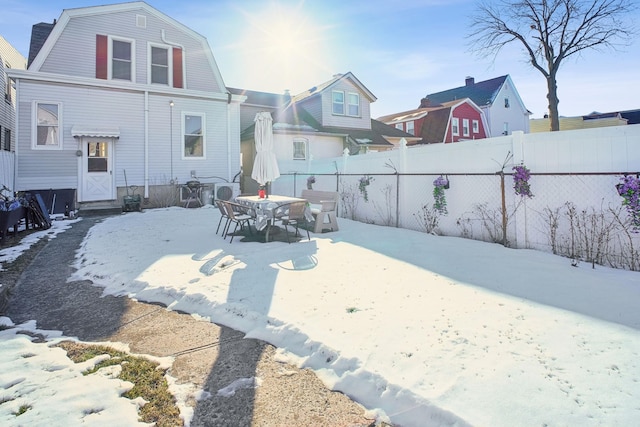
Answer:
(401, 51)
(413, 326)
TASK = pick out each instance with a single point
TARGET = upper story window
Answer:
(194, 135)
(505, 128)
(411, 128)
(121, 59)
(299, 149)
(337, 98)
(399, 126)
(7, 139)
(506, 103)
(353, 106)
(160, 65)
(46, 126)
(475, 126)
(465, 127)
(455, 126)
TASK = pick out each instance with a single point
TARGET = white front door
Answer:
(97, 169)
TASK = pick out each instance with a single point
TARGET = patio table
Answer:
(267, 210)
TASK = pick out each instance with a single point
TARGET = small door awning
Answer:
(95, 131)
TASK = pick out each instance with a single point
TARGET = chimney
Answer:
(469, 81)
(424, 103)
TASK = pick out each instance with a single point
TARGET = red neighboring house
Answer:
(452, 121)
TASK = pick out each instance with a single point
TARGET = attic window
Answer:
(141, 21)
(506, 103)
(337, 98)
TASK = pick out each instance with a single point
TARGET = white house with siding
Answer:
(121, 95)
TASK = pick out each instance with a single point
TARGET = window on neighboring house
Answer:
(411, 128)
(506, 103)
(159, 60)
(465, 127)
(455, 126)
(194, 135)
(338, 102)
(121, 59)
(353, 107)
(505, 128)
(47, 120)
(476, 126)
(299, 149)
(7, 139)
(400, 126)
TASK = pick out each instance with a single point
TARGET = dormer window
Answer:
(353, 105)
(337, 97)
(411, 127)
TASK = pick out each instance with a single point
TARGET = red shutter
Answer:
(101, 56)
(177, 67)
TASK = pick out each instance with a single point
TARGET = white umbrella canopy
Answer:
(265, 165)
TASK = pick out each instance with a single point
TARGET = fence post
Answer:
(504, 210)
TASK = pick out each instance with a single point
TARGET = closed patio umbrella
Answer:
(265, 166)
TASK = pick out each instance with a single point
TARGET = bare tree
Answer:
(550, 31)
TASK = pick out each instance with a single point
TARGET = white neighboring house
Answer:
(9, 58)
(321, 122)
(122, 90)
(499, 100)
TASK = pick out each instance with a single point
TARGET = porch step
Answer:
(107, 208)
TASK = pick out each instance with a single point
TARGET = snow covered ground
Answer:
(418, 328)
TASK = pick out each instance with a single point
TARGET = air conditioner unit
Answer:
(226, 190)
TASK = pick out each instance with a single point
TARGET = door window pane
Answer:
(98, 155)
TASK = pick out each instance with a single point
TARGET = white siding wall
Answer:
(80, 106)
(11, 57)
(515, 115)
(330, 119)
(80, 36)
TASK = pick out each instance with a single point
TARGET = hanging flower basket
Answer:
(440, 202)
(364, 182)
(521, 181)
(629, 189)
(310, 181)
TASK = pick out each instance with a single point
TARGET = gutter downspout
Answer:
(146, 144)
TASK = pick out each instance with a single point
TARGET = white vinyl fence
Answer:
(575, 210)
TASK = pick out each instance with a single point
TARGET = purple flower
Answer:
(521, 181)
(629, 189)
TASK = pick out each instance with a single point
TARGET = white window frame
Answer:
(465, 127)
(304, 143)
(455, 126)
(110, 57)
(400, 126)
(34, 127)
(411, 127)
(475, 124)
(184, 134)
(349, 104)
(334, 103)
(169, 50)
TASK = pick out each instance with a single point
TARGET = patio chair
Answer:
(295, 216)
(223, 215)
(236, 214)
